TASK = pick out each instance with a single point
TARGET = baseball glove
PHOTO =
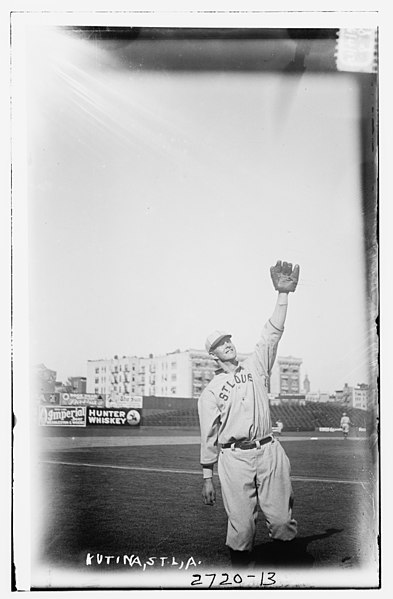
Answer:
(284, 277)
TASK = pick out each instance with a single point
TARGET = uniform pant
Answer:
(249, 476)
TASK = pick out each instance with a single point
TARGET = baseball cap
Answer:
(214, 338)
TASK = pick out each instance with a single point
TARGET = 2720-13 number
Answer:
(264, 579)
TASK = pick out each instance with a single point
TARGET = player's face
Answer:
(225, 350)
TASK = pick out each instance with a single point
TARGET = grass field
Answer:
(145, 500)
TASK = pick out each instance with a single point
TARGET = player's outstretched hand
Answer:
(208, 492)
(284, 277)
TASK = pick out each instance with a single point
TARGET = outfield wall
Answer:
(182, 412)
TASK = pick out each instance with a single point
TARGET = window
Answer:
(97, 370)
(96, 380)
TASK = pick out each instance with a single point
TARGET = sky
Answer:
(157, 202)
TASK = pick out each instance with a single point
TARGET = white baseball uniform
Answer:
(344, 423)
(235, 407)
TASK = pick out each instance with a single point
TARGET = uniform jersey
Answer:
(279, 425)
(235, 405)
(344, 423)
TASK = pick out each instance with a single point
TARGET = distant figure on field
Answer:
(344, 423)
(279, 426)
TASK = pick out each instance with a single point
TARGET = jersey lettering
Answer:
(239, 378)
(243, 378)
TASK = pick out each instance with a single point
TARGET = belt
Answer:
(247, 444)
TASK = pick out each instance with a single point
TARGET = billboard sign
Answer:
(328, 429)
(113, 416)
(62, 416)
(116, 400)
(82, 399)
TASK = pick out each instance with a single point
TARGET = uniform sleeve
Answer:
(209, 421)
(266, 349)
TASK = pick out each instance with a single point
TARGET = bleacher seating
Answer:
(295, 418)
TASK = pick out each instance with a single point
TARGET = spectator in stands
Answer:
(279, 425)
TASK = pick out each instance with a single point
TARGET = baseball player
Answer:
(236, 432)
(280, 426)
(344, 423)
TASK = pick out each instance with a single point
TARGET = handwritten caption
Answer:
(205, 580)
(262, 579)
(134, 561)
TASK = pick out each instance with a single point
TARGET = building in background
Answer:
(116, 375)
(74, 384)
(344, 395)
(176, 374)
(170, 375)
(354, 397)
(285, 377)
(324, 398)
(44, 379)
(312, 397)
(77, 384)
(306, 385)
(361, 396)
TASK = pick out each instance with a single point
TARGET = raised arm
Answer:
(285, 279)
(278, 317)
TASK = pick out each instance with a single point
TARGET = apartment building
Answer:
(176, 374)
(118, 375)
(360, 396)
(285, 376)
(354, 397)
